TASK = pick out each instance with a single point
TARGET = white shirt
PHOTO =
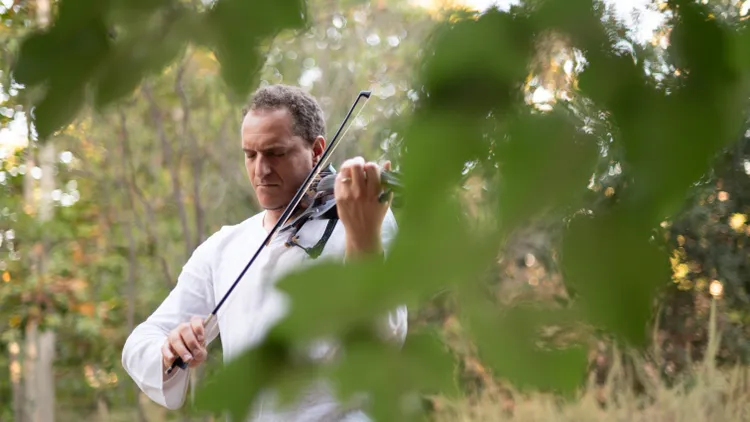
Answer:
(207, 275)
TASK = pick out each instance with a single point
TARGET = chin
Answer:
(269, 204)
(272, 202)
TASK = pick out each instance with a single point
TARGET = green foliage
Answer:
(470, 121)
(534, 165)
(107, 47)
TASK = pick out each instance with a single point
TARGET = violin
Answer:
(314, 200)
(320, 203)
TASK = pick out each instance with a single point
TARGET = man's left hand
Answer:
(357, 190)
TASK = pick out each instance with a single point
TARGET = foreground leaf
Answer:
(389, 376)
(237, 386)
(614, 271)
(236, 29)
(508, 341)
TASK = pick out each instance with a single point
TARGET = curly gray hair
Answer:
(307, 115)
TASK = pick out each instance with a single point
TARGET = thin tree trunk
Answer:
(196, 159)
(102, 409)
(46, 377)
(40, 352)
(173, 166)
(29, 373)
(133, 187)
(25, 392)
(130, 229)
(14, 350)
(39, 380)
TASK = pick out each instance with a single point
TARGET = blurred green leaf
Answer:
(361, 292)
(477, 65)
(581, 20)
(389, 376)
(63, 58)
(238, 384)
(614, 271)
(508, 339)
(700, 45)
(546, 164)
(37, 52)
(58, 107)
(134, 58)
(238, 27)
(130, 11)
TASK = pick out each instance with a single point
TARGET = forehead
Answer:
(267, 126)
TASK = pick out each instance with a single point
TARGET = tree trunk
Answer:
(39, 350)
(102, 409)
(130, 227)
(14, 350)
(172, 163)
(39, 379)
(45, 378)
(39, 382)
(29, 373)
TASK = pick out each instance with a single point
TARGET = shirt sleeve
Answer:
(192, 295)
(394, 326)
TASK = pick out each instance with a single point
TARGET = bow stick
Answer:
(284, 216)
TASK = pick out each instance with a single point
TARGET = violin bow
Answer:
(285, 215)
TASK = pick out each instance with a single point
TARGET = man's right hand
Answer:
(188, 341)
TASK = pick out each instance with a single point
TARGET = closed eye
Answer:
(272, 152)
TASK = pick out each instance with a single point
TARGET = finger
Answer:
(351, 162)
(372, 186)
(341, 186)
(196, 323)
(344, 175)
(179, 347)
(387, 165)
(358, 183)
(192, 343)
(167, 354)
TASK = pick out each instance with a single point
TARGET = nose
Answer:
(262, 167)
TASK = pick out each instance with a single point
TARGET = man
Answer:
(282, 139)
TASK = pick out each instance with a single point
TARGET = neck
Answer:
(271, 217)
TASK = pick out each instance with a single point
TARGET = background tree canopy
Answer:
(565, 185)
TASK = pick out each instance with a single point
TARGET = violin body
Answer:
(320, 203)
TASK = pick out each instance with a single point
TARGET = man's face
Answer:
(277, 160)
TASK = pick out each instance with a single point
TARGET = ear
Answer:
(318, 147)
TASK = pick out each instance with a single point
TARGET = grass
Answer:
(704, 393)
(711, 395)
